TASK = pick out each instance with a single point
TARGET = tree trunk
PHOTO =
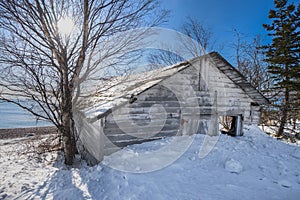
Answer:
(294, 121)
(67, 121)
(284, 112)
(68, 138)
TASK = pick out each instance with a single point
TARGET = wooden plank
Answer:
(125, 143)
(126, 137)
(142, 130)
(127, 123)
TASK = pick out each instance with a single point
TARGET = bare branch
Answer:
(41, 65)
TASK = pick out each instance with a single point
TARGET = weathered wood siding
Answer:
(255, 114)
(215, 93)
(193, 97)
(142, 121)
(90, 141)
(231, 99)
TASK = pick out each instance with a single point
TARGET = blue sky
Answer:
(246, 16)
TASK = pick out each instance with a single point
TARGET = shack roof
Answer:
(119, 90)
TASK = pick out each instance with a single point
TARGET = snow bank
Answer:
(254, 166)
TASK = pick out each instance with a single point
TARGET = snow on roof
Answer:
(118, 90)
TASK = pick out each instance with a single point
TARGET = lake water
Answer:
(12, 116)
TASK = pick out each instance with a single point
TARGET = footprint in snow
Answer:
(285, 183)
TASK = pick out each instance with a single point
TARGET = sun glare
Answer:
(65, 26)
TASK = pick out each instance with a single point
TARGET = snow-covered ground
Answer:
(254, 166)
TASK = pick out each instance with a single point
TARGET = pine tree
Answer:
(282, 55)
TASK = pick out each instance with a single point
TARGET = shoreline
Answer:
(9, 133)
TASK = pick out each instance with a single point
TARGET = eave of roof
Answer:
(138, 83)
(233, 74)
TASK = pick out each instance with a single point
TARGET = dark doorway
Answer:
(231, 125)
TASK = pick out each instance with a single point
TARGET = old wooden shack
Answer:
(182, 99)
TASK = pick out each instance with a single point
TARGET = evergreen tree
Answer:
(282, 56)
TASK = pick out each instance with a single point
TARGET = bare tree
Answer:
(49, 49)
(162, 58)
(251, 64)
(196, 39)
(201, 33)
(250, 61)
